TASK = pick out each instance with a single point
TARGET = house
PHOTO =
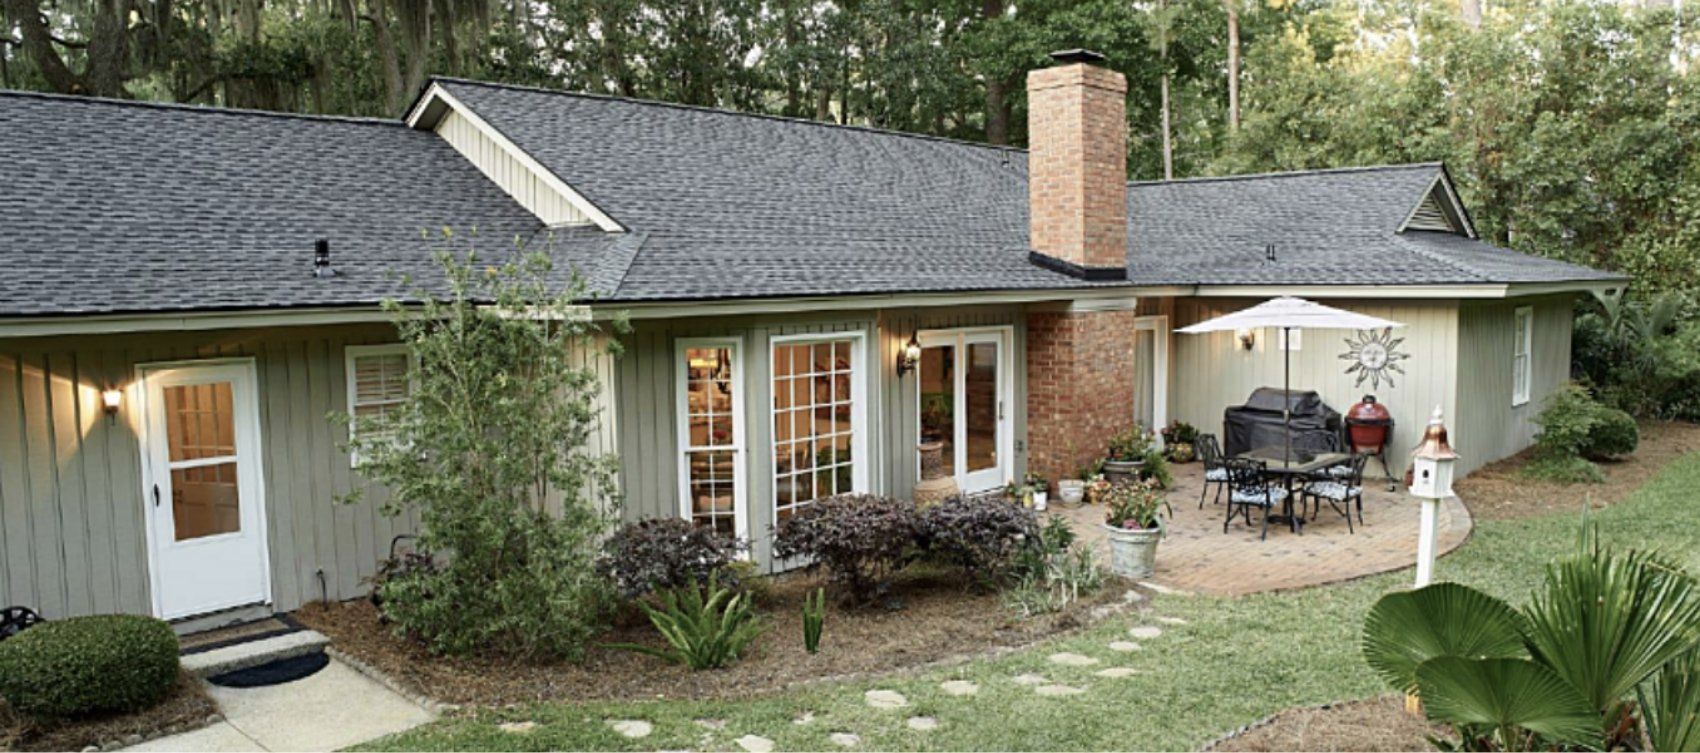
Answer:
(169, 356)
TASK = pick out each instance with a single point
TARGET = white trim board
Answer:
(428, 111)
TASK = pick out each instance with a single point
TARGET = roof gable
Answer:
(1440, 210)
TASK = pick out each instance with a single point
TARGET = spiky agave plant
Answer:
(814, 618)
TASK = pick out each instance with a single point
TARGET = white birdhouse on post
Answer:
(1431, 482)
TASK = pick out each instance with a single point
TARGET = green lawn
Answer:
(1236, 661)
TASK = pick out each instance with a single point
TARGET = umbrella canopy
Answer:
(1290, 313)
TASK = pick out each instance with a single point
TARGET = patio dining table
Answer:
(1289, 465)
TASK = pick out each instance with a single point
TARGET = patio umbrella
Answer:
(1287, 314)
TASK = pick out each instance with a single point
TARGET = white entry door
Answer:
(201, 487)
(965, 378)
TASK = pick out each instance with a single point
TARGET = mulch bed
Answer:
(938, 620)
(1500, 492)
(1376, 724)
(186, 707)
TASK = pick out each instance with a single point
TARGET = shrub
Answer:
(88, 665)
(667, 553)
(1050, 574)
(1563, 470)
(704, 628)
(814, 618)
(1566, 420)
(1615, 435)
(491, 449)
(861, 540)
(982, 538)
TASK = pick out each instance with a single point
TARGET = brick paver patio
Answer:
(1197, 556)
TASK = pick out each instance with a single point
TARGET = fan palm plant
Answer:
(1603, 655)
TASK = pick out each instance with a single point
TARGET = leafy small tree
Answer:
(492, 449)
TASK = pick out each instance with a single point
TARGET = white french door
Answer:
(1151, 372)
(711, 434)
(965, 402)
(201, 485)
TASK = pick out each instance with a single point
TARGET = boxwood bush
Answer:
(88, 665)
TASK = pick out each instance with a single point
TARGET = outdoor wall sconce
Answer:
(1247, 338)
(909, 356)
(109, 400)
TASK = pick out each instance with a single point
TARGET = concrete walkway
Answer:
(334, 708)
(1198, 556)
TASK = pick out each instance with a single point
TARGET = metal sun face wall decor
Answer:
(1375, 356)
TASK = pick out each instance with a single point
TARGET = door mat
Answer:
(273, 673)
(280, 624)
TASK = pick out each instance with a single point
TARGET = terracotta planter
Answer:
(935, 485)
(1133, 553)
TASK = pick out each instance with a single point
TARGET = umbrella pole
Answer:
(1287, 421)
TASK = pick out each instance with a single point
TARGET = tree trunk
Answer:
(1168, 142)
(388, 57)
(997, 87)
(38, 46)
(1233, 65)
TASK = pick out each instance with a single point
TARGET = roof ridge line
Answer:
(723, 111)
(194, 108)
(1291, 173)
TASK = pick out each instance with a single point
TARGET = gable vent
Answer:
(1431, 216)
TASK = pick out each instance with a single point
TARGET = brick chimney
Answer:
(1077, 166)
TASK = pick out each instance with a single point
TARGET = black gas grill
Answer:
(1259, 422)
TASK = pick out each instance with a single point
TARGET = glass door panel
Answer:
(200, 423)
(981, 420)
(938, 400)
(1145, 379)
(712, 438)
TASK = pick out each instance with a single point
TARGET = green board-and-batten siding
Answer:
(1488, 426)
(72, 534)
(647, 395)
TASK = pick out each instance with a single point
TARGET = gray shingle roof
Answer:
(122, 207)
(1328, 227)
(118, 206)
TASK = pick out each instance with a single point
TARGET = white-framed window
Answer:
(1522, 348)
(711, 433)
(378, 383)
(819, 418)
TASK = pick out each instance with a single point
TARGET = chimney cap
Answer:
(1079, 55)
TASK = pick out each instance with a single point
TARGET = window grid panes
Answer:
(814, 422)
(711, 438)
(1522, 323)
(379, 386)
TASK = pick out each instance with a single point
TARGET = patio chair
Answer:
(1248, 487)
(1210, 454)
(1341, 491)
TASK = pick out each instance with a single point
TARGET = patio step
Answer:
(254, 653)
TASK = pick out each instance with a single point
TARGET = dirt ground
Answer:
(938, 620)
(1376, 724)
(186, 707)
(1499, 492)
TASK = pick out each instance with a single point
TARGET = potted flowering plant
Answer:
(1133, 522)
(1040, 488)
(1096, 487)
(1178, 439)
(1126, 454)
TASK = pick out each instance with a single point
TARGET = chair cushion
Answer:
(1261, 499)
(1333, 490)
(1216, 474)
(1340, 471)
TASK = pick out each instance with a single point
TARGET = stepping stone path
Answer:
(805, 718)
(711, 723)
(1132, 597)
(959, 687)
(885, 699)
(845, 739)
(1162, 589)
(1030, 679)
(1058, 690)
(632, 728)
(1171, 620)
(1145, 632)
(1124, 646)
(755, 744)
(1116, 673)
(1073, 660)
(923, 723)
(517, 728)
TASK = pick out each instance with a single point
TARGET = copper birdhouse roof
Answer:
(1434, 445)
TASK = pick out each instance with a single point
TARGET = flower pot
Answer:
(1181, 452)
(1122, 471)
(1041, 500)
(1072, 492)
(1133, 553)
(935, 486)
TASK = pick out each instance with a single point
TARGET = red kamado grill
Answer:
(1369, 429)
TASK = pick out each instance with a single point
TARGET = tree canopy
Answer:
(1567, 123)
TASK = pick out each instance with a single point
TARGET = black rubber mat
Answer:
(273, 673)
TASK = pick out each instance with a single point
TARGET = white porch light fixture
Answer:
(1431, 482)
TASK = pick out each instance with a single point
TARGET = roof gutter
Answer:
(1462, 291)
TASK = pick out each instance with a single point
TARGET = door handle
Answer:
(156, 495)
